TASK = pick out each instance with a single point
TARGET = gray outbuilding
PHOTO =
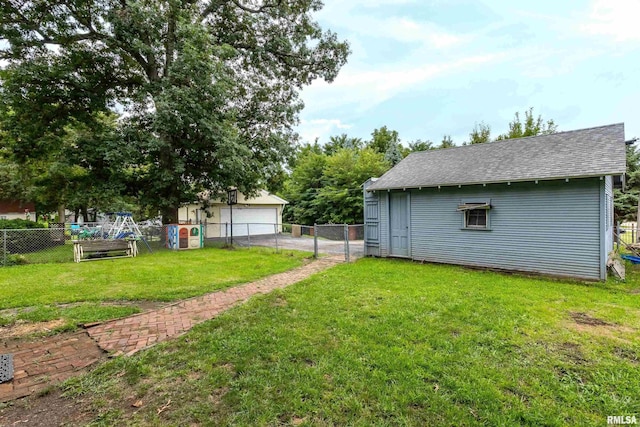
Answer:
(541, 204)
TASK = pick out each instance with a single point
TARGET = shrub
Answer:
(10, 259)
(19, 224)
(27, 236)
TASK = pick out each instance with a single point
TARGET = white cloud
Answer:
(426, 51)
(352, 16)
(309, 130)
(616, 19)
(407, 30)
(363, 89)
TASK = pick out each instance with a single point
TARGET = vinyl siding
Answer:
(372, 222)
(384, 223)
(608, 220)
(553, 227)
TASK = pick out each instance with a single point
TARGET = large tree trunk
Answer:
(85, 215)
(61, 214)
(169, 215)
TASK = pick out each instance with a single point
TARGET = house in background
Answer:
(541, 204)
(257, 215)
(13, 209)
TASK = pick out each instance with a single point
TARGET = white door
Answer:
(259, 221)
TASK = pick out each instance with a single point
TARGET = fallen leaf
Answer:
(137, 404)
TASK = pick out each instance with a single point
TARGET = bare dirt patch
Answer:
(585, 323)
(23, 328)
(43, 411)
(573, 352)
(586, 319)
(20, 329)
(627, 354)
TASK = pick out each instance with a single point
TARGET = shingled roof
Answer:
(580, 153)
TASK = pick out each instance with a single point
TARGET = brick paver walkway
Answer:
(45, 361)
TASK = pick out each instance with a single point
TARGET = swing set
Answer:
(123, 227)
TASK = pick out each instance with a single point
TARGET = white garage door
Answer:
(260, 221)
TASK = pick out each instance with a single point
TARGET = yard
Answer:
(67, 294)
(384, 342)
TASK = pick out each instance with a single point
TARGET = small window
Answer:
(476, 218)
(475, 214)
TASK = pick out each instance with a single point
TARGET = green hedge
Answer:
(19, 224)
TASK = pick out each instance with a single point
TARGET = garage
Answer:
(260, 212)
(249, 220)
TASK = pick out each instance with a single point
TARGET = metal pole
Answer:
(4, 247)
(231, 215)
(275, 228)
(315, 240)
(248, 235)
(226, 233)
(346, 243)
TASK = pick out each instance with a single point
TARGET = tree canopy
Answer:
(481, 133)
(530, 127)
(626, 202)
(336, 143)
(326, 188)
(446, 142)
(208, 90)
(383, 139)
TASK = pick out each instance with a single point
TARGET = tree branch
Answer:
(217, 3)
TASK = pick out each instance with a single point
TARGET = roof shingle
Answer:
(589, 152)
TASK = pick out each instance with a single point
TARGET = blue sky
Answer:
(429, 68)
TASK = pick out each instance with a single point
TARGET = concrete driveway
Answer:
(305, 243)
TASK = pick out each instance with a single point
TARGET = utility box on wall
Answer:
(185, 236)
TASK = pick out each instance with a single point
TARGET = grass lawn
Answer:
(385, 342)
(40, 292)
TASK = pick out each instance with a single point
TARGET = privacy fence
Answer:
(55, 244)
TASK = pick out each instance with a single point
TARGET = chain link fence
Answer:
(324, 239)
(55, 244)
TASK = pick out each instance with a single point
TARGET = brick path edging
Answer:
(46, 361)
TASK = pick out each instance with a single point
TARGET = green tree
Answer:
(84, 171)
(531, 126)
(327, 189)
(394, 154)
(626, 202)
(340, 199)
(481, 133)
(447, 142)
(342, 141)
(420, 145)
(210, 88)
(302, 188)
(382, 139)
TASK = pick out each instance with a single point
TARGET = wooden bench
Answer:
(91, 250)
